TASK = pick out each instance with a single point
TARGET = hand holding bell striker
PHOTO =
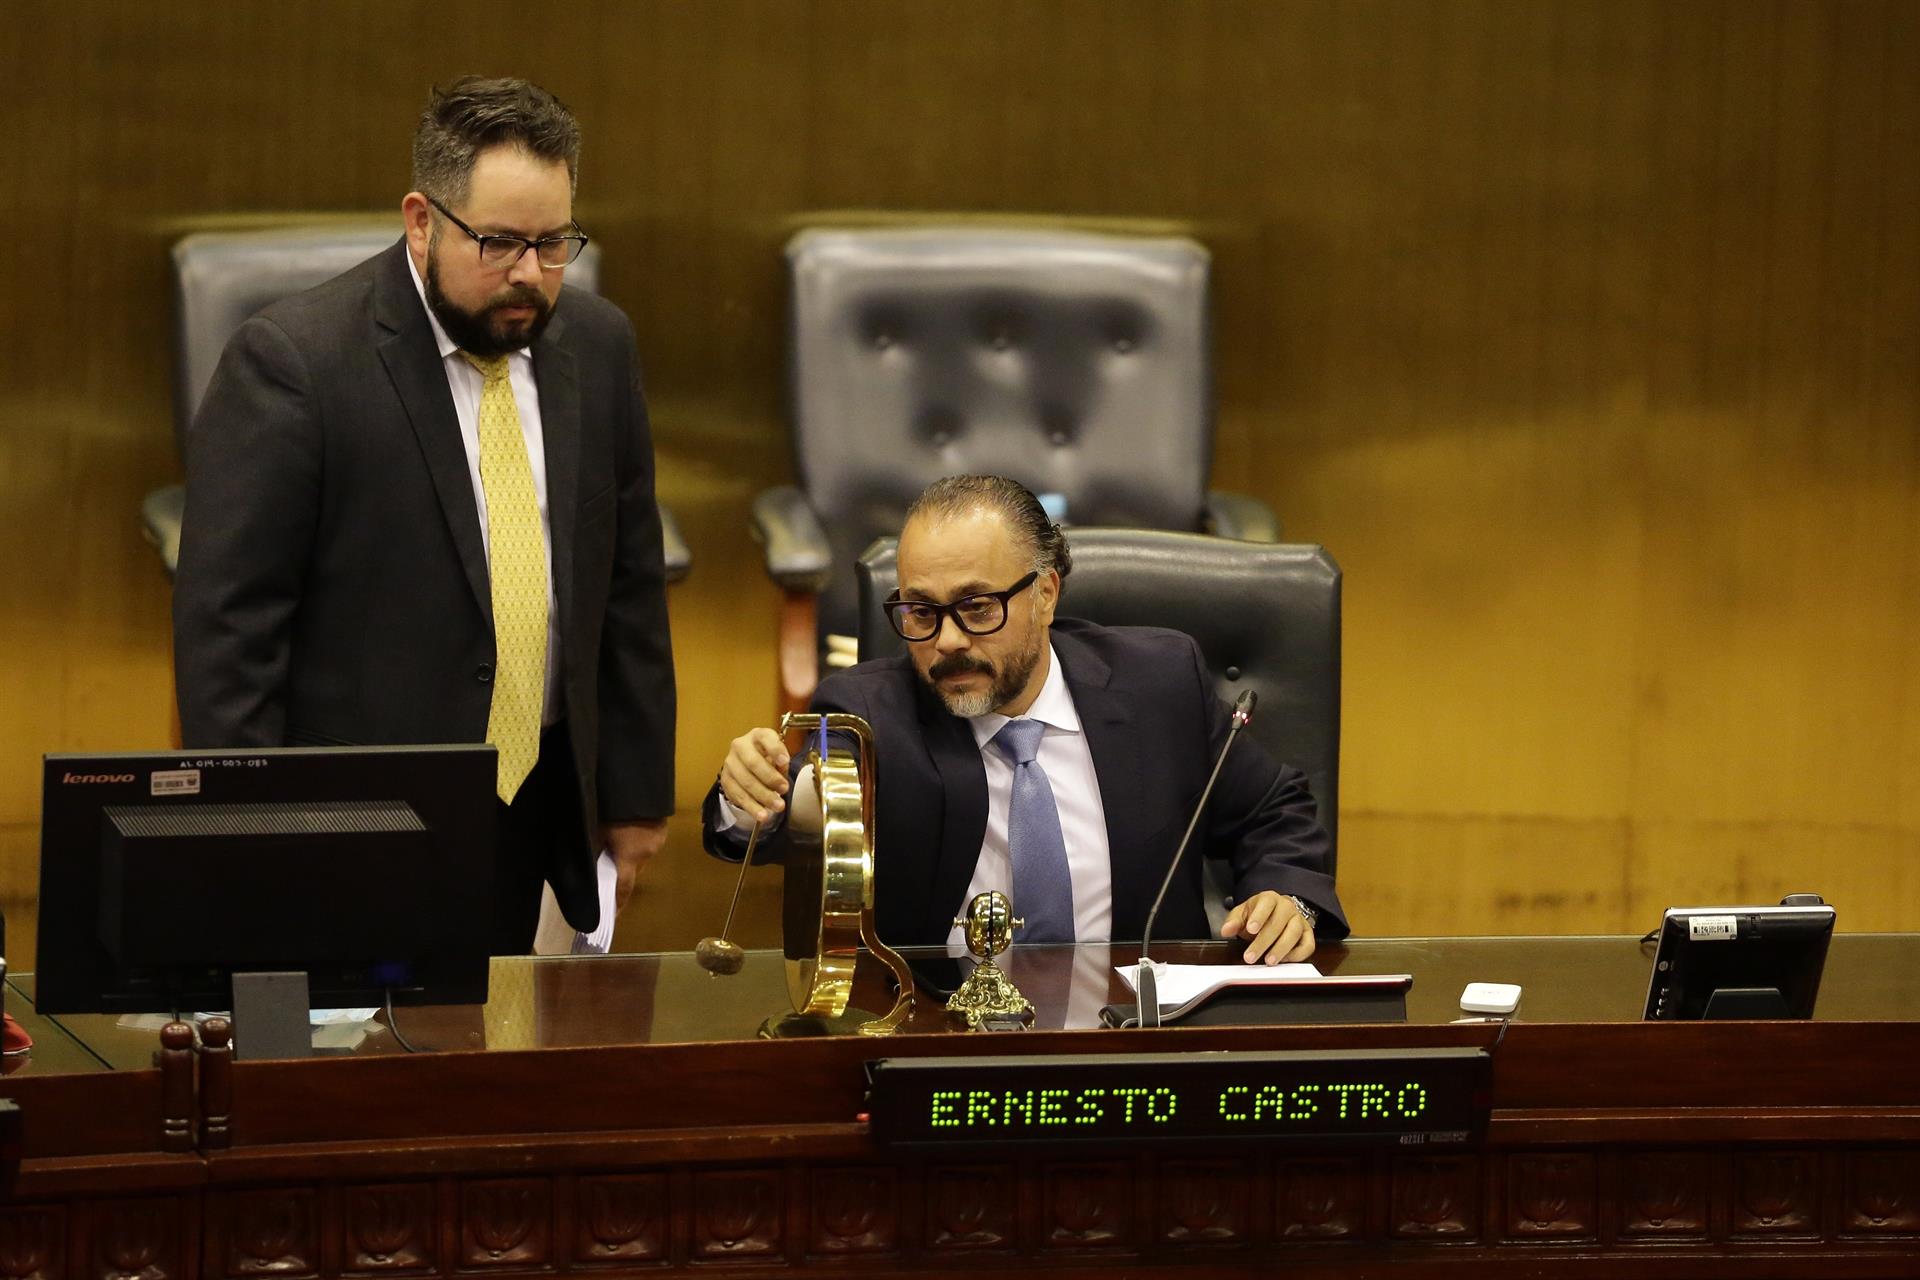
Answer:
(988, 996)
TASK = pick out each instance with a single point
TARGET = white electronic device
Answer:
(1490, 997)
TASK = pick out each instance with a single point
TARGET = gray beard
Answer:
(969, 705)
(1005, 687)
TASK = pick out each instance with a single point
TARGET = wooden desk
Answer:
(643, 1128)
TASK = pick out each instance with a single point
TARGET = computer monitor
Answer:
(1739, 962)
(370, 869)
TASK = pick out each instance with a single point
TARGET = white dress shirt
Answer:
(1068, 763)
(466, 383)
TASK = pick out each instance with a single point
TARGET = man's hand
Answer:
(1274, 927)
(754, 776)
(632, 845)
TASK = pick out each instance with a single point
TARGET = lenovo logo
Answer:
(98, 777)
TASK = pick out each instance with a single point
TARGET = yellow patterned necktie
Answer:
(517, 570)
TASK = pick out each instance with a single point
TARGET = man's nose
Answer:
(950, 638)
(527, 270)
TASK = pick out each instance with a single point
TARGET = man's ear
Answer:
(417, 216)
(1047, 595)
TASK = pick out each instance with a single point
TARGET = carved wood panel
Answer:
(622, 1218)
(388, 1227)
(270, 1232)
(1663, 1195)
(1775, 1194)
(1436, 1197)
(33, 1242)
(852, 1210)
(1324, 1199)
(1880, 1195)
(1203, 1202)
(1087, 1206)
(1844, 1200)
(506, 1222)
(1552, 1196)
(738, 1213)
(969, 1207)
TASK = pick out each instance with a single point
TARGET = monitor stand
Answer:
(1745, 1002)
(270, 1016)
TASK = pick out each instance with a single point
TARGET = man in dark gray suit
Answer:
(420, 509)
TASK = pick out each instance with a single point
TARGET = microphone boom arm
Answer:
(1146, 988)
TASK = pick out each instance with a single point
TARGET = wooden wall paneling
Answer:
(1583, 334)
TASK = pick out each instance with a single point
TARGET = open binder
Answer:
(1253, 995)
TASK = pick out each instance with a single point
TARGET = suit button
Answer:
(484, 673)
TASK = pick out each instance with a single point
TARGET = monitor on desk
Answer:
(1739, 962)
(162, 876)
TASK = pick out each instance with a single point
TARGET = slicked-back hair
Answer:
(472, 114)
(955, 496)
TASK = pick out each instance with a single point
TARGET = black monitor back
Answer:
(370, 869)
(1739, 962)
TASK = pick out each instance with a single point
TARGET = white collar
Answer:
(1052, 706)
(441, 340)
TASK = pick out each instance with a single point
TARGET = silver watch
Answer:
(1307, 913)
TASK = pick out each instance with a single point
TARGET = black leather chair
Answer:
(221, 278)
(1075, 363)
(1266, 616)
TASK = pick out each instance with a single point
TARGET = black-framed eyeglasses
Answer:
(978, 615)
(499, 252)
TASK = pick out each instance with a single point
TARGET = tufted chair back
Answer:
(1074, 363)
(1266, 617)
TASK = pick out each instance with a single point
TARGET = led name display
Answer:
(1399, 1097)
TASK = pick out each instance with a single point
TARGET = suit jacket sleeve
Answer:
(730, 844)
(637, 700)
(253, 497)
(1264, 818)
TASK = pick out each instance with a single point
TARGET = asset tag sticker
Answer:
(1713, 928)
(176, 782)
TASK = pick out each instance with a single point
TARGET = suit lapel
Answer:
(553, 369)
(413, 363)
(963, 787)
(1119, 762)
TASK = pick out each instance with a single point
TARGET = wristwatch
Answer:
(1307, 913)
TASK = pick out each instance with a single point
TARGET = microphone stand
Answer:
(1146, 986)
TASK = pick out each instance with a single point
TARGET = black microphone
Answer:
(1146, 988)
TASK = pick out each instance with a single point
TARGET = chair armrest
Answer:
(160, 513)
(795, 543)
(677, 555)
(1235, 515)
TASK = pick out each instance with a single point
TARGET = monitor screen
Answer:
(368, 868)
(1739, 962)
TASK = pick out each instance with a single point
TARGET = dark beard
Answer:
(480, 332)
(1006, 683)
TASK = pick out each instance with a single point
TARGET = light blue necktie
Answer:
(1042, 885)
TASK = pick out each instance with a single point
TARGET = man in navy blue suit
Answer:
(1049, 758)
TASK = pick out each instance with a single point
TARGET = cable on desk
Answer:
(394, 1026)
(1504, 1024)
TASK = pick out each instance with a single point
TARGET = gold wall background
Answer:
(1583, 333)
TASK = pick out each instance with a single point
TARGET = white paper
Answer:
(600, 941)
(1179, 983)
(555, 937)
